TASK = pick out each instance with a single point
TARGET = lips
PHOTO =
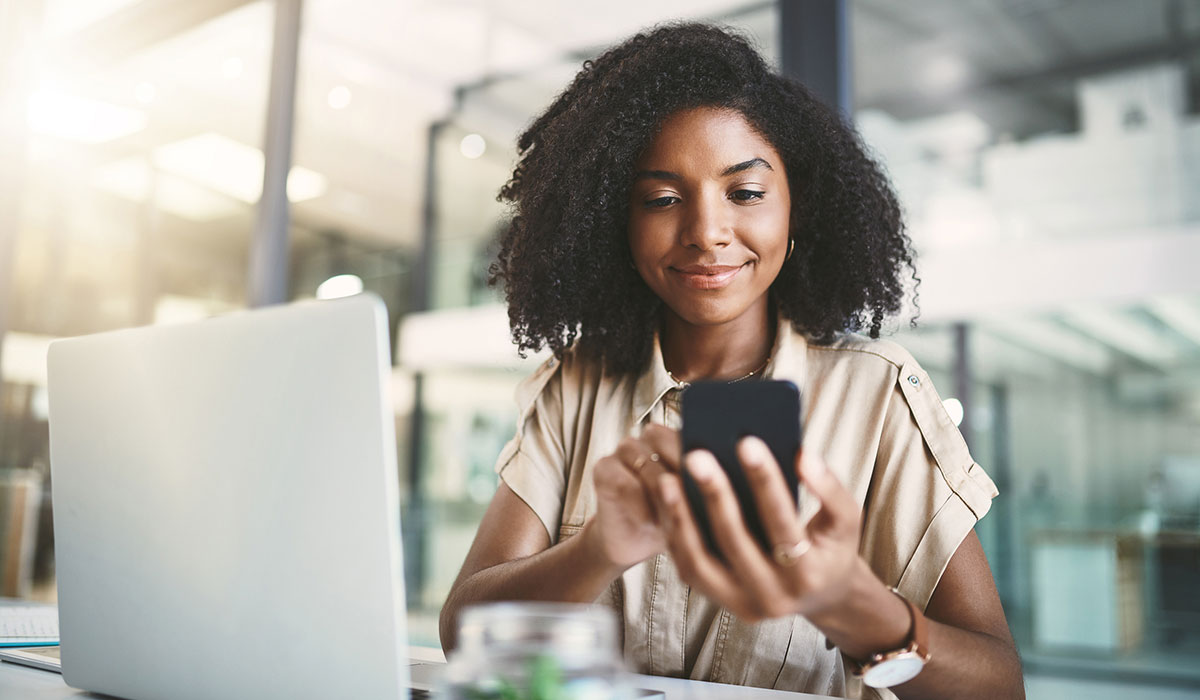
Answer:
(707, 276)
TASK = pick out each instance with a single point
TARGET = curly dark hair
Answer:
(564, 259)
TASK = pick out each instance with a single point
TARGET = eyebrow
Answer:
(731, 170)
(746, 165)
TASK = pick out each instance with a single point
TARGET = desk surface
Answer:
(32, 684)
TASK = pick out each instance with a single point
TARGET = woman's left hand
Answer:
(810, 568)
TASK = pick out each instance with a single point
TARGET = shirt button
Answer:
(912, 379)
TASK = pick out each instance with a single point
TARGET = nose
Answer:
(707, 225)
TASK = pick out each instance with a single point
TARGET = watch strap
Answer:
(917, 643)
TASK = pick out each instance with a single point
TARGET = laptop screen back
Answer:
(226, 507)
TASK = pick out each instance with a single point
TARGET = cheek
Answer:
(646, 244)
(772, 228)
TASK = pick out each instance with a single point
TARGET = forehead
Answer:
(706, 136)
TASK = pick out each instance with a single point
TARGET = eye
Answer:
(747, 195)
(661, 202)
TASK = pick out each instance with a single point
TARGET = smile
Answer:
(707, 276)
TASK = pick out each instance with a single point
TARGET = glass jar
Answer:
(536, 651)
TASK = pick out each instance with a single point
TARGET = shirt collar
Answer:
(788, 361)
(652, 385)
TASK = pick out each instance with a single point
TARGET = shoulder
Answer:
(859, 350)
(880, 383)
(860, 364)
(565, 380)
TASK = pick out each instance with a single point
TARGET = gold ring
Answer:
(789, 554)
(654, 457)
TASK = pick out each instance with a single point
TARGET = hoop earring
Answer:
(791, 247)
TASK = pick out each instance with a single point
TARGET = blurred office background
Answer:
(1047, 153)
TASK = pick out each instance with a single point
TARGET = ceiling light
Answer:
(472, 146)
(304, 184)
(144, 93)
(82, 120)
(340, 286)
(231, 168)
(955, 408)
(232, 67)
(339, 97)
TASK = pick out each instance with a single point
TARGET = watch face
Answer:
(893, 671)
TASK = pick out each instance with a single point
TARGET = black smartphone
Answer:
(716, 415)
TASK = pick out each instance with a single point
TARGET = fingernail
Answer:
(756, 450)
(669, 489)
(702, 465)
(812, 466)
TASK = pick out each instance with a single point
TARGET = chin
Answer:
(710, 312)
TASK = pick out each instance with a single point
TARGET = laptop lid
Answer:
(226, 507)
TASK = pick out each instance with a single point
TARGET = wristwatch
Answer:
(889, 668)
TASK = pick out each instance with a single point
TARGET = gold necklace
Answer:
(742, 378)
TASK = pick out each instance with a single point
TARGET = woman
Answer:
(684, 214)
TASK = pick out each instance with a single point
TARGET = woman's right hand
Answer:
(625, 528)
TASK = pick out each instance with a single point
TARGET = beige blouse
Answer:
(872, 413)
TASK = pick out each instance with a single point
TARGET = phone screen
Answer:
(716, 415)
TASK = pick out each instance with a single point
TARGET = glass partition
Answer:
(142, 168)
(1045, 155)
(1093, 442)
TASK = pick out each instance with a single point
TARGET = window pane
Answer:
(140, 171)
(1045, 155)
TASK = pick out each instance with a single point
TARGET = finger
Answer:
(836, 502)
(644, 464)
(635, 454)
(616, 483)
(696, 566)
(741, 550)
(666, 443)
(776, 504)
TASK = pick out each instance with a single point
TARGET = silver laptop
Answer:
(226, 507)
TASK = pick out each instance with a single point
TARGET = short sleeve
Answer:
(533, 463)
(926, 491)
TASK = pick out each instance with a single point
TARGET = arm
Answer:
(512, 559)
(974, 654)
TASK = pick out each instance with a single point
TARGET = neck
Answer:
(727, 351)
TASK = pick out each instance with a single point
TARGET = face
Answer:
(709, 214)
